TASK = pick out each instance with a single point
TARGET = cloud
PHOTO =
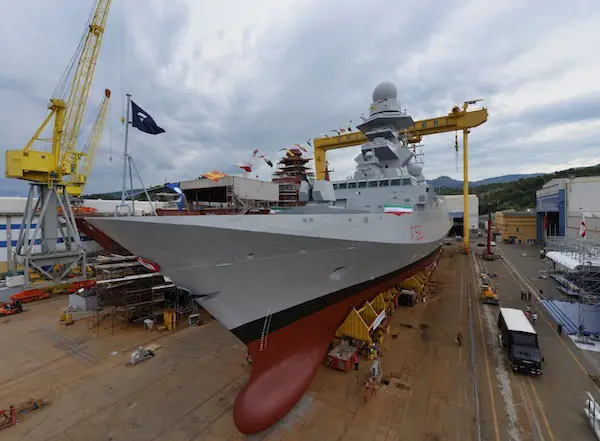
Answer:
(224, 78)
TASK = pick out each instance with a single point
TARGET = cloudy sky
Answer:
(223, 78)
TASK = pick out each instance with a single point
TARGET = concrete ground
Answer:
(549, 407)
(186, 391)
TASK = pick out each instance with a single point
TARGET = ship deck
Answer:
(186, 391)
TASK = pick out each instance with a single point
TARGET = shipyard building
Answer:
(229, 193)
(560, 204)
(455, 205)
(516, 227)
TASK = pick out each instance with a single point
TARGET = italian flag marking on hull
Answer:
(398, 210)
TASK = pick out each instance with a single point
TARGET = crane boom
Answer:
(82, 81)
(50, 167)
(85, 158)
(457, 119)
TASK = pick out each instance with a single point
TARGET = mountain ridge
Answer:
(448, 182)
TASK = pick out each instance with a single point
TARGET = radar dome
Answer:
(414, 169)
(385, 91)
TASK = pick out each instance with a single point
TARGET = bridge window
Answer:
(406, 181)
(351, 184)
(396, 181)
(335, 186)
(362, 185)
(384, 183)
(372, 184)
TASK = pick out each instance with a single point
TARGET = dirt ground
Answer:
(187, 390)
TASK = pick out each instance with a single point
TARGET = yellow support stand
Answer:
(378, 304)
(359, 323)
(416, 282)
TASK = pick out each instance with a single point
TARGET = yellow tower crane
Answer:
(459, 118)
(84, 159)
(48, 218)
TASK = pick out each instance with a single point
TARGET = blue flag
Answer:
(144, 122)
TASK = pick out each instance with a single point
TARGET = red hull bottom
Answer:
(290, 357)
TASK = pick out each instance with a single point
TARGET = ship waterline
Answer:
(245, 275)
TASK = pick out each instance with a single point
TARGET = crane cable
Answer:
(456, 148)
(123, 109)
(61, 87)
(109, 133)
(122, 81)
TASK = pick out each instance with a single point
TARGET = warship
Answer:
(284, 282)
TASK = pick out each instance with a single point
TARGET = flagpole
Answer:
(125, 155)
(131, 185)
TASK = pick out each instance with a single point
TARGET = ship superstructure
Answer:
(283, 283)
(387, 171)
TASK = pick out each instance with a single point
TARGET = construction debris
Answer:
(141, 354)
(30, 405)
(8, 417)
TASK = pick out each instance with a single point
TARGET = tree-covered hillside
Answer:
(518, 194)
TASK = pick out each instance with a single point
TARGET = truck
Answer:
(518, 337)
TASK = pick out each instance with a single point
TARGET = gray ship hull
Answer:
(257, 271)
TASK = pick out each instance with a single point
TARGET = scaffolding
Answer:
(127, 293)
(291, 170)
(579, 281)
(184, 304)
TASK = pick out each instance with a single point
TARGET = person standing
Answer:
(529, 296)
(355, 361)
(533, 318)
(559, 328)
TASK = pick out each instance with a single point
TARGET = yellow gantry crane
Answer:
(459, 118)
(50, 210)
(84, 159)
